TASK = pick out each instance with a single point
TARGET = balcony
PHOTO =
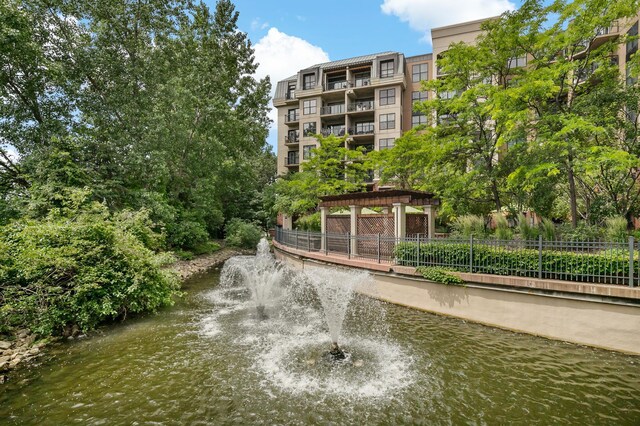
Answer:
(333, 130)
(292, 160)
(291, 140)
(291, 95)
(360, 82)
(336, 85)
(363, 129)
(291, 118)
(361, 106)
(612, 30)
(332, 109)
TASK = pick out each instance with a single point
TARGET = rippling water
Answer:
(208, 360)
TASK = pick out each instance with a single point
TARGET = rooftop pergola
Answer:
(396, 200)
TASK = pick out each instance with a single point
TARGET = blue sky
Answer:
(290, 35)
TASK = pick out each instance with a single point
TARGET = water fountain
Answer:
(261, 274)
(335, 289)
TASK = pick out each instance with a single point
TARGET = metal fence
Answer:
(603, 262)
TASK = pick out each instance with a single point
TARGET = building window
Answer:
(309, 107)
(364, 128)
(418, 118)
(386, 69)
(293, 135)
(291, 91)
(306, 151)
(387, 143)
(308, 81)
(419, 73)
(447, 94)
(388, 97)
(387, 121)
(309, 129)
(632, 44)
(517, 62)
(419, 97)
(293, 157)
(292, 114)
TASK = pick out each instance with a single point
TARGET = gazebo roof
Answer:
(380, 199)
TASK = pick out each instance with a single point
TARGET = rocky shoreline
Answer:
(25, 347)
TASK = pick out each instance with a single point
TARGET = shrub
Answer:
(527, 231)
(186, 234)
(582, 232)
(309, 222)
(548, 229)
(242, 234)
(502, 227)
(616, 229)
(83, 267)
(439, 275)
(468, 225)
(501, 260)
(206, 248)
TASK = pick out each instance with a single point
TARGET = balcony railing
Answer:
(309, 86)
(291, 139)
(336, 85)
(360, 82)
(332, 109)
(292, 160)
(290, 95)
(338, 131)
(363, 129)
(613, 29)
(291, 118)
(361, 106)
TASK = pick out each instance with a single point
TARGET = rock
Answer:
(29, 340)
(34, 351)
(4, 344)
(3, 379)
(4, 359)
(23, 333)
(15, 355)
(15, 362)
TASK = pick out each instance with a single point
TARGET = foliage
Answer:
(468, 225)
(548, 229)
(582, 232)
(500, 260)
(439, 275)
(502, 231)
(80, 267)
(310, 222)
(242, 234)
(527, 230)
(616, 229)
(332, 169)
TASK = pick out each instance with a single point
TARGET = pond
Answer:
(210, 359)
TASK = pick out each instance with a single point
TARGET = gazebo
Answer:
(395, 224)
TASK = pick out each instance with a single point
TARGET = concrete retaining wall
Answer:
(571, 318)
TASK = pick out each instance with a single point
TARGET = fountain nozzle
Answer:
(336, 353)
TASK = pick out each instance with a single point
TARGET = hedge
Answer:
(611, 266)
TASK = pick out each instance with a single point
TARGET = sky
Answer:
(291, 35)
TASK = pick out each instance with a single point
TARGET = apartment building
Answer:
(370, 98)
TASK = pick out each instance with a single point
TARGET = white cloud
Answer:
(281, 55)
(422, 15)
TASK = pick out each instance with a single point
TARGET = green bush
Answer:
(616, 229)
(242, 234)
(206, 248)
(309, 222)
(186, 234)
(582, 232)
(500, 260)
(548, 229)
(527, 231)
(439, 275)
(81, 267)
(468, 225)
(502, 231)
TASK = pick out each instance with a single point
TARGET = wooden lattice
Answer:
(338, 224)
(417, 224)
(373, 224)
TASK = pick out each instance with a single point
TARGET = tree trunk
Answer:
(496, 195)
(573, 197)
